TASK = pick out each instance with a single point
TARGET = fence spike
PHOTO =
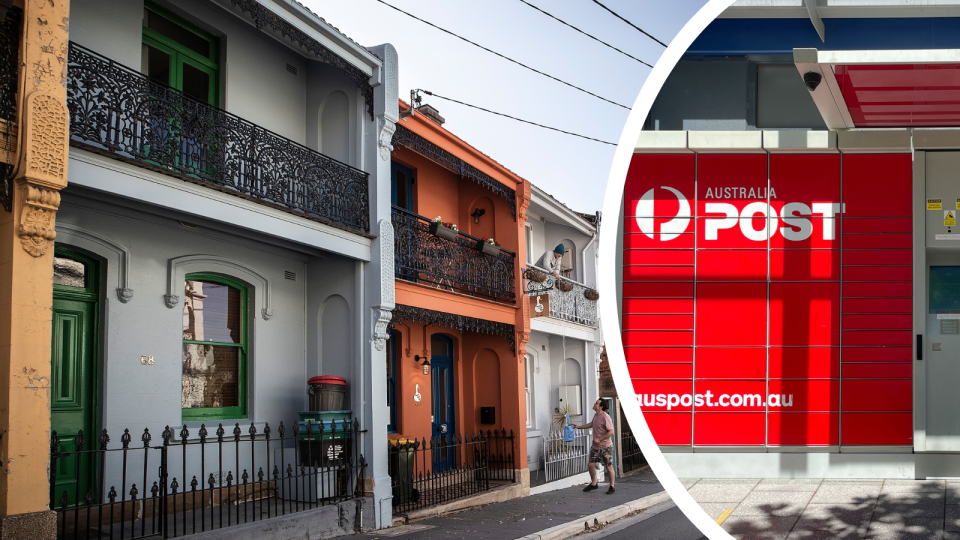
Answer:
(276, 472)
(237, 431)
(89, 497)
(174, 485)
(112, 496)
(156, 489)
(133, 492)
(211, 481)
(220, 433)
(260, 475)
(79, 441)
(289, 470)
(146, 437)
(244, 476)
(229, 478)
(281, 430)
(184, 434)
(103, 440)
(252, 431)
(64, 499)
(309, 427)
(193, 484)
(296, 429)
(203, 433)
(266, 430)
(125, 438)
(54, 443)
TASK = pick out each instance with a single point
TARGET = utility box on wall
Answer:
(570, 395)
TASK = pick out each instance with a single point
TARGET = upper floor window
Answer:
(214, 348)
(401, 188)
(179, 54)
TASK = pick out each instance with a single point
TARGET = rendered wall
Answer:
(721, 297)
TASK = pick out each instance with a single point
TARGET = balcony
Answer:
(451, 265)
(571, 305)
(119, 112)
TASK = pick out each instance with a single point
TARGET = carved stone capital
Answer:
(46, 141)
(385, 138)
(381, 320)
(124, 294)
(172, 300)
(266, 313)
(37, 215)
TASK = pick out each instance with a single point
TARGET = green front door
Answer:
(73, 375)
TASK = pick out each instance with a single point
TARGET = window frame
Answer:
(240, 411)
(528, 384)
(180, 54)
(392, 343)
(394, 169)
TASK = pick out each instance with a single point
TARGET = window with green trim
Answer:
(214, 348)
(180, 54)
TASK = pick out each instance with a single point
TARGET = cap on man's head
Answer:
(560, 249)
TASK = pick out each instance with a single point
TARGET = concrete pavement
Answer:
(777, 509)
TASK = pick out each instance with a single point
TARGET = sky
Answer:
(573, 170)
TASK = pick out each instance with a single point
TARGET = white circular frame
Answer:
(608, 272)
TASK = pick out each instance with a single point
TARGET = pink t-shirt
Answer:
(602, 424)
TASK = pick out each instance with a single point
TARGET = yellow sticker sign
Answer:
(949, 218)
(958, 204)
(934, 204)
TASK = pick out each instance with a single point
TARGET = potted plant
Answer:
(488, 246)
(591, 295)
(445, 230)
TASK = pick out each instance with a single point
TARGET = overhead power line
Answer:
(429, 93)
(584, 33)
(641, 30)
(475, 44)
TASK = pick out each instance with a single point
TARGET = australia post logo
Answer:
(730, 208)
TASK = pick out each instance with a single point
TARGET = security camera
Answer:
(812, 80)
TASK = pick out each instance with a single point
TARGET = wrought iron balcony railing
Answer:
(572, 305)
(453, 265)
(116, 110)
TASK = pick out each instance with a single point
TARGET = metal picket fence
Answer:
(563, 459)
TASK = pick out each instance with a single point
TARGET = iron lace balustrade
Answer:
(193, 481)
(453, 265)
(118, 111)
(572, 305)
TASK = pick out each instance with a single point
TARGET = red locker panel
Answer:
(664, 395)
(877, 225)
(876, 185)
(804, 314)
(877, 273)
(888, 370)
(657, 273)
(877, 354)
(681, 355)
(634, 239)
(658, 322)
(660, 371)
(877, 428)
(731, 363)
(731, 314)
(875, 305)
(804, 265)
(724, 265)
(878, 322)
(653, 338)
(724, 230)
(804, 362)
(729, 429)
(798, 228)
(818, 395)
(653, 171)
(878, 257)
(803, 429)
(877, 241)
(658, 257)
(657, 290)
(877, 395)
(896, 289)
(877, 337)
(737, 179)
(791, 179)
(669, 429)
(657, 305)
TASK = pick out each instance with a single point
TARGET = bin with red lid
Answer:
(327, 392)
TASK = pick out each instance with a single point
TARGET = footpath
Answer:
(546, 516)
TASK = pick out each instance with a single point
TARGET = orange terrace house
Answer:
(455, 372)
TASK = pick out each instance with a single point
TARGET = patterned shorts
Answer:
(603, 456)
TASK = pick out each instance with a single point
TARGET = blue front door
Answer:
(444, 414)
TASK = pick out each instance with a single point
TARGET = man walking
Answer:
(602, 449)
(551, 260)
